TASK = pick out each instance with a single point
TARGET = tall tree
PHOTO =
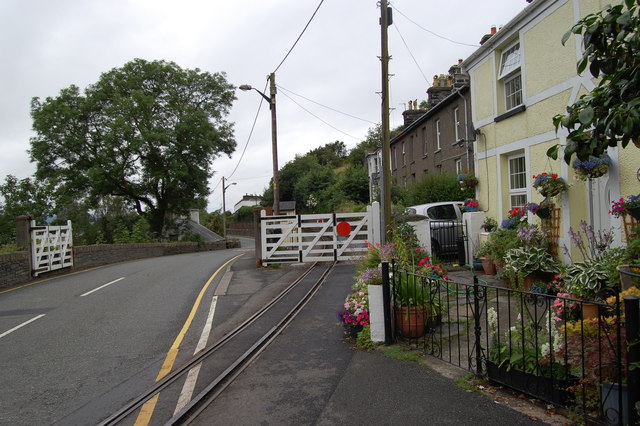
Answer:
(21, 198)
(610, 114)
(147, 132)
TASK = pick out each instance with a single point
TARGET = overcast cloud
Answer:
(48, 45)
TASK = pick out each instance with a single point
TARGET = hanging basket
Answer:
(544, 212)
(593, 168)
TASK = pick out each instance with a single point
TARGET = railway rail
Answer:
(220, 363)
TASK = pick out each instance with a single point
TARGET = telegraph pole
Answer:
(385, 21)
(274, 144)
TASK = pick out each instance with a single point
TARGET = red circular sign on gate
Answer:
(343, 229)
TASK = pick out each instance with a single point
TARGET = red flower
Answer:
(554, 176)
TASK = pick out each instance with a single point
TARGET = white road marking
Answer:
(192, 377)
(21, 325)
(101, 287)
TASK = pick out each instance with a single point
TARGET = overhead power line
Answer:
(433, 33)
(253, 126)
(327, 107)
(411, 54)
(328, 124)
(298, 39)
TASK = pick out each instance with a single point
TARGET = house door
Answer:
(600, 203)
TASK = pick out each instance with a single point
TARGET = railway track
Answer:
(220, 363)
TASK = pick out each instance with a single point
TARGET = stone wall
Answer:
(15, 268)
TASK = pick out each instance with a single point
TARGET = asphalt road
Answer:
(74, 349)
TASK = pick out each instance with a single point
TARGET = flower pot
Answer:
(410, 321)
(544, 212)
(470, 209)
(376, 313)
(589, 310)
(626, 276)
(610, 397)
(635, 212)
(351, 330)
(488, 266)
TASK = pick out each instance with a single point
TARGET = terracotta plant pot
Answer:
(589, 310)
(488, 265)
(410, 321)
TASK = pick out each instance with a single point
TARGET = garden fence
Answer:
(572, 353)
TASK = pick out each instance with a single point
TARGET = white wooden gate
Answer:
(51, 247)
(319, 237)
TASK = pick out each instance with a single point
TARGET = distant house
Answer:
(248, 200)
(438, 139)
(373, 163)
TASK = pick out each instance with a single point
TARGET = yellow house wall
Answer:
(629, 162)
(483, 85)
(544, 52)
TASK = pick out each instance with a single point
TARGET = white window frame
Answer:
(438, 148)
(458, 166)
(510, 73)
(394, 158)
(404, 154)
(456, 124)
(512, 99)
(424, 141)
(517, 191)
(510, 60)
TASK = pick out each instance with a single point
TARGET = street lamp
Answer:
(274, 137)
(224, 208)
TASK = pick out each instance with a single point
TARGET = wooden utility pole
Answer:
(274, 144)
(385, 21)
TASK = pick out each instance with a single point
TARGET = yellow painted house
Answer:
(520, 78)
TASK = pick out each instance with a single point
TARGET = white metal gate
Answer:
(319, 237)
(51, 247)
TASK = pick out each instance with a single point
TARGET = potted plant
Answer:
(543, 210)
(470, 205)
(592, 168)
(467, 179)
(355, 314)
(501, 241)
(524, 265)
(516, 217)
(629, 205)
(549, 184)
(489, 224)
(484, 254)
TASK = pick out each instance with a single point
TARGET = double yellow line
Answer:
(144, 417)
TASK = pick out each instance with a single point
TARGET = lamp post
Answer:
(224, 208)
(274, 137)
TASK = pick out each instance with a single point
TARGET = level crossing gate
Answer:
(51, 247)
(319, 237)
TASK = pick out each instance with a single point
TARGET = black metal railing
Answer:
(448, 240)
(573, 353)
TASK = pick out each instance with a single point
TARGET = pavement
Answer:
(312, 374)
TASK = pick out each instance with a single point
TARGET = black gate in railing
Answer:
(549, 346)
(448, 240)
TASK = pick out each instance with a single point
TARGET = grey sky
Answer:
(48, 45)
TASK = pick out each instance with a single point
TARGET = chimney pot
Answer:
(493, 29)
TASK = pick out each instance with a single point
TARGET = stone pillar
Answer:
(23, 237)
(23, 234)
